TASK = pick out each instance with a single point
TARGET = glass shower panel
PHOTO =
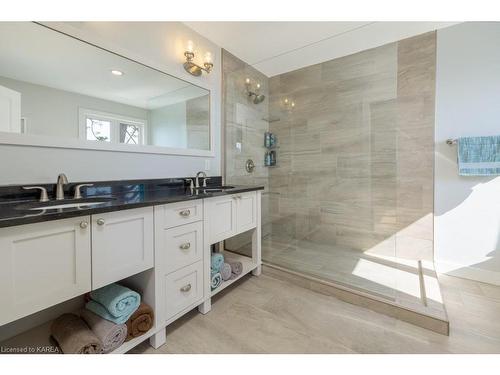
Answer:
(334, 193)
(350, 198)
(246, 121)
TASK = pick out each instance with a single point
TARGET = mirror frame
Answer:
(21, 139)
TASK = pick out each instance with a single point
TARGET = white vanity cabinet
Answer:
(230, 215)
(122, 245)
(42, 265)
(161, 251)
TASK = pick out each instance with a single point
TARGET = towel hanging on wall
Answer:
(479, 156)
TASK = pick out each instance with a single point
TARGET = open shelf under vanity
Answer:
(248, 266)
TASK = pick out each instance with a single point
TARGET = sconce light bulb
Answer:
(247, 81)
(208, 57)
(286, 100)
(190, 46)
(292, 104)
(258, 86)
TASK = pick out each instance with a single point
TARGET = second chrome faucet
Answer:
(61, 181)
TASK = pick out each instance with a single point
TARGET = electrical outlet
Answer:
(207, 164)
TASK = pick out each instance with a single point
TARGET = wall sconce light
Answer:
(193, 68)
(254, 94)
(288, 104)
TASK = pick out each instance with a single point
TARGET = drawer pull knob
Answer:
(186, 288)
(185, 246)
(84, 224)
(185, 213)
(100, 221)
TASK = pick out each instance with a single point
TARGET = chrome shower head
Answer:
(258, 98)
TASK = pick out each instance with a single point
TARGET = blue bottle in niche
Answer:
(272, 158)
(273, 140)
(267, 139)
(267, 159)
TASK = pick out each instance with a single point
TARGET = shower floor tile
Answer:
(398, 280)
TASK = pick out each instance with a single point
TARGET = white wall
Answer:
(157, 44)
(168, 126)
(54, 112)
(467, 209)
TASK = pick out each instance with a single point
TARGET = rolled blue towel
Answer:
(225, 271)
(100, 310)
(114, 302)
(216, 280)
(216, 262)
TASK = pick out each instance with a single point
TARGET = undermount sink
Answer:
(68, 203)
(217, 188)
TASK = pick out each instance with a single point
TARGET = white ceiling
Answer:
(38, 55)
(279, 47)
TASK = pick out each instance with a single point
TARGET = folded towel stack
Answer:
(140, 322)
(216, 280)
(225, 271)
(114, 302)
(216, 262)
(74, 336)
(113, 314)
(110, 334)
(236, 269)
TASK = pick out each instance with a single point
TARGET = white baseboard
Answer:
(468, 272)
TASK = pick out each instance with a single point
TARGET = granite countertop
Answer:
(17, 210)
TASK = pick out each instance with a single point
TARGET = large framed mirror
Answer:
(59, 91)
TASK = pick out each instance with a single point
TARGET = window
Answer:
(111, 127)
(98, 130)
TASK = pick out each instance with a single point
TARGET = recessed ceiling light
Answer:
(117, 72)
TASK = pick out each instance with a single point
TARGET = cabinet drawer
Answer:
(180, 213)
(122, 244)
(183, 288)
(183, 246)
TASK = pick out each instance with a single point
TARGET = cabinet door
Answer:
(42, 265)
(221, 217)
(246, 212)
(122, 245)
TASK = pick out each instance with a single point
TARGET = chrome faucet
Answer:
(61, 181)
(205, 178)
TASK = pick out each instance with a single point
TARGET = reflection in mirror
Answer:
(57, 86)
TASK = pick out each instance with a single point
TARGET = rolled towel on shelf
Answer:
(216, 280)
(114, 302)
(111, 335)
(74, 336)
(141, 321)
(216, 262)
(225, 271)
(236, 269)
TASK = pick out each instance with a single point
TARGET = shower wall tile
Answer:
(356, 152)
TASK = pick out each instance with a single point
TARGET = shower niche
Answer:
(270, 144)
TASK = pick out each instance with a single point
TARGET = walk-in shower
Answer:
(350, 198)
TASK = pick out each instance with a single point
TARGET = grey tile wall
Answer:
(355, 164)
